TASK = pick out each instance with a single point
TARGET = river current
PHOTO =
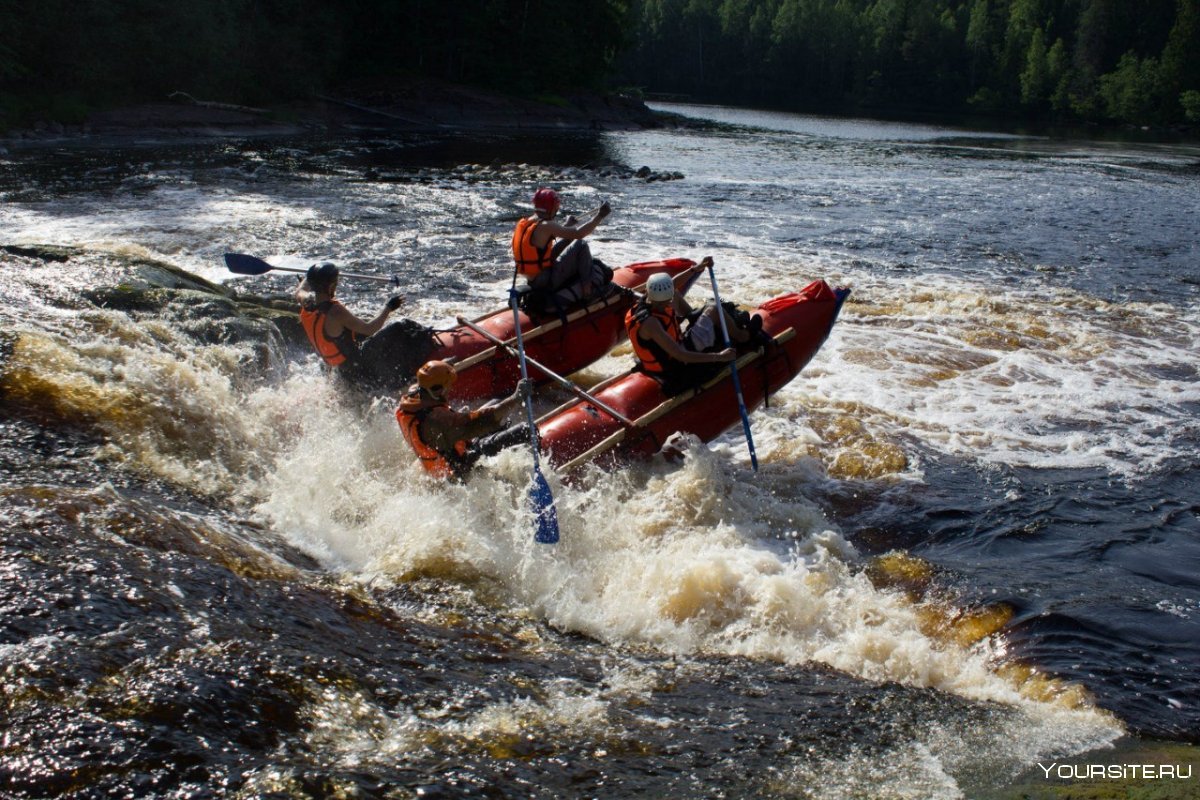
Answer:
(973, 545)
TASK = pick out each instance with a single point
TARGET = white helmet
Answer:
(660, 287)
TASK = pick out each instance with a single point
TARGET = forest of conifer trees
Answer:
(1133, 61)
(1128, 61)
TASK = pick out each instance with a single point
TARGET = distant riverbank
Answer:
(413, 106)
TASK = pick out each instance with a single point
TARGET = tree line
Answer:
(1135, 61)
(1103, 60)
(62, 58)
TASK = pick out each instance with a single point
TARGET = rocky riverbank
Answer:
(412, 106)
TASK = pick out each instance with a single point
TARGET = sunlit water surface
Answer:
(972, 544)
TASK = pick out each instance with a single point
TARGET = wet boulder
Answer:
(149, 290)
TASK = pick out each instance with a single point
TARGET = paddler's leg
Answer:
(490, 445)
(495, 442)
(701, 336)
(571, 276)
(744, 320)
(742, 326)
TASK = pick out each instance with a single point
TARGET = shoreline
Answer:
(416, 107)
(431, 107)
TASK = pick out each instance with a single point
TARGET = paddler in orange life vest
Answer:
(449, 442)
(680, 359)
(553, 256)
(354, 347)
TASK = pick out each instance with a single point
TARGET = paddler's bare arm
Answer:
(559, 230)
(444, 426)
(705, 263)
(501, 407)
(652, 330)
(681, 305)
(340, 319)
(683, 309)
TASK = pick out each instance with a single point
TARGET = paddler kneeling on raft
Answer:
(449, 442)
(365, 354)
(679, 359)
(554, 257)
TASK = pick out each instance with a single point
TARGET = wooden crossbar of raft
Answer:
(533, 333)
(660, 410)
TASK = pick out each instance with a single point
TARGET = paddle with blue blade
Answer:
(540, 497)
(243, 264)
(737, 384)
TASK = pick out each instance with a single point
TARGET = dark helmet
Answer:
(321, 276)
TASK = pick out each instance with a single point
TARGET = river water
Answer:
(973, 545)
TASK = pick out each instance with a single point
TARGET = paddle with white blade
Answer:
(243, 264)
(540, 497)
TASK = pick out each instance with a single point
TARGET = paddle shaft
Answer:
(563, 382)
(539, 493)
(394, 280)
(737, 384)
(546, 327)
(243, 264)
(525, 376)
(654, 414)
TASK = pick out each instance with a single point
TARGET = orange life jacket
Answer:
(335, 351)
(653, 358)
(411, 414)
(530, 260)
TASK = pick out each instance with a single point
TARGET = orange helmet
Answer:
(436, 375)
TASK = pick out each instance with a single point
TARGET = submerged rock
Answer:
(41, 252)
(498, 172)
(151, 362)
(206, 312)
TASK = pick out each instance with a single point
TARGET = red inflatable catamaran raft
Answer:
(580, 431)
(563, 344)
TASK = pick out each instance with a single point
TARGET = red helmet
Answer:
(546, 200)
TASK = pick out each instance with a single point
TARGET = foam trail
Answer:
(666, 556)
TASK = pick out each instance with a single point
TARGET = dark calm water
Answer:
(973, 545)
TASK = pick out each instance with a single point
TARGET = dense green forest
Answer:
(1099, 60)
(61, 58)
